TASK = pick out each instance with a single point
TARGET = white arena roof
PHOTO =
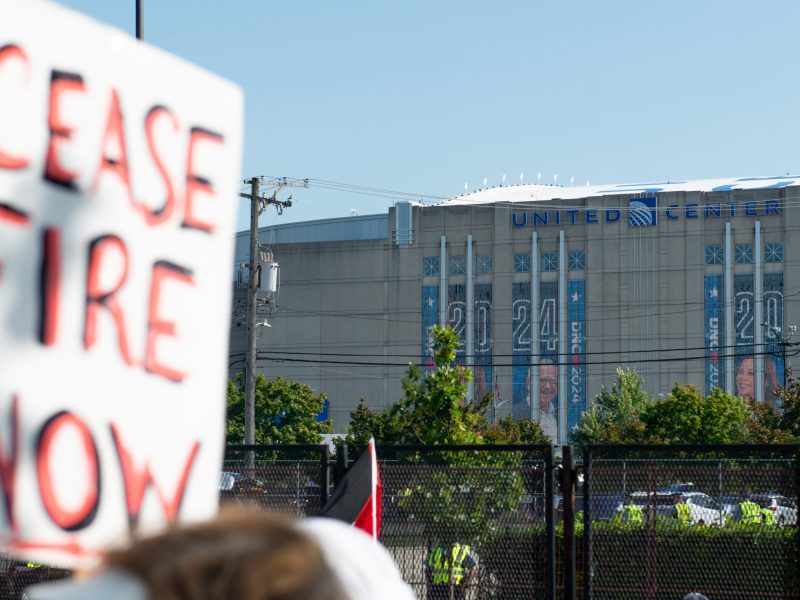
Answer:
(537, 192)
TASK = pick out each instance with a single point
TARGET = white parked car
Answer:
(784, 509)
(703, 509)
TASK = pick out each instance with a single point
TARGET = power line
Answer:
(265, 356)
(495, 355)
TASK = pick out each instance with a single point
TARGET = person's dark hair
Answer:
(252, 556)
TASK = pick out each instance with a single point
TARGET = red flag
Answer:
(357, 498)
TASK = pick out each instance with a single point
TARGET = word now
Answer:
(136, 474)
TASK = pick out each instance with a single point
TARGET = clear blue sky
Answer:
(422, 97)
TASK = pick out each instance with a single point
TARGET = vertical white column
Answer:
(533, 373)
(562, 339)
(443, 281)
(469, 333)
(758, 320)
(730, 338)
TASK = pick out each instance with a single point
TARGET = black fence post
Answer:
(341, 464)
(324, 475)
(587, 523)
(797, 504)
(568, 489)
(550, 530)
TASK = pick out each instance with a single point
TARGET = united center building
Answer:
(694, 282)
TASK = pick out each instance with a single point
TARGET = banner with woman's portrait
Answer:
(772, 327)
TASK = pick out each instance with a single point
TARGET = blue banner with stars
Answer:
(715, 332)
(430, 317)
(576, 339)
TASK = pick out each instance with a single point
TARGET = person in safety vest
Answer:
(449, 568)
(767, 517)
(750, 512)
(682, 512)
(629, 513)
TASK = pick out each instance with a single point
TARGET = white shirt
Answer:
(548, 421)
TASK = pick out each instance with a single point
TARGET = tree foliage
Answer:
(615, 415)
(768, 426)
(509, 431)
(686, 416)
(366, 423)
(625, 414)
(433, 409)
(451, 493)
(285, 412)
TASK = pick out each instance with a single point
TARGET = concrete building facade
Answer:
(692, 282)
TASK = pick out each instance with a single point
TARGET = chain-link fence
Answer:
(663, 521)
(292, 480)
(646, 522)
(471, 521)
(15, 576)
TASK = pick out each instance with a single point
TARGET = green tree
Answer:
(686, 416)
(451, 493)
(615, 415)
(433, 409)
(769, 426)
(509, 431)
(286, 413)
(789, 400)
(366, 423)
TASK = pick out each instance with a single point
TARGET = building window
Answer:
(714, 255)
(773, 253)
(549, 261)
(522, 263)
(484, 263)
(430, 266)
(577, 260)
(744, 254)
(458, 265)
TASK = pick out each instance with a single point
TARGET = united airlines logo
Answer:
(642, 212)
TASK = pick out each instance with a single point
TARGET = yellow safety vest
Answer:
(767, 517)
(439, 563)
(684, 514)
(751, 512)
(631, 514)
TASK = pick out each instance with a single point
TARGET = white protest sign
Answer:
(119, 174)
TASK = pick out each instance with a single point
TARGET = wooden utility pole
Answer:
(139, 19)
(252, 297)
(258, 204)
